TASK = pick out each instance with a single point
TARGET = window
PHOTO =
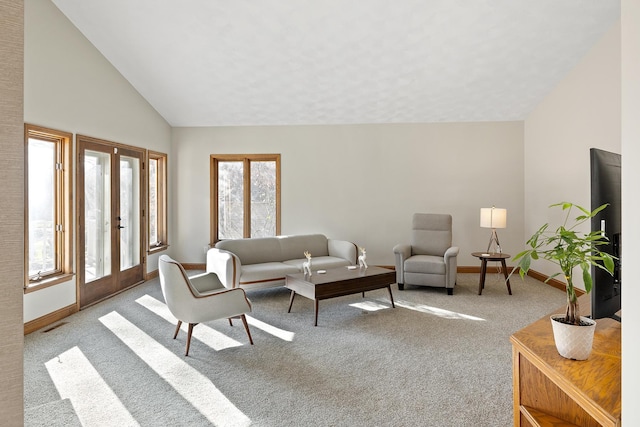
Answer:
(157, 217)
(48, 227)
(245, 196)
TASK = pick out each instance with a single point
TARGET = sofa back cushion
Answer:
(293, 247)
(274, 249)
(254, 250)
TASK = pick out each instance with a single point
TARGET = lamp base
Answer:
(494, 243)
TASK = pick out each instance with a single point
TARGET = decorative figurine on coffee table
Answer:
(362, 259)
(306, 266)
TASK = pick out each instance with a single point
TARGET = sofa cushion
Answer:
(293, 247)
(253, 251)
(273, 249)
(319, 263)
(265, 272)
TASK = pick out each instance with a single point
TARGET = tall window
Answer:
(245, 196)
(157, 217)
(48, 226)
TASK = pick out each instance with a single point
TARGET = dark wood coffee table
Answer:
(337, 282)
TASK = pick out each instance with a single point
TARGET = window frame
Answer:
(62, 210)
(246, 159)
(162, 180)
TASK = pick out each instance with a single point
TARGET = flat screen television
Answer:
(606, 183)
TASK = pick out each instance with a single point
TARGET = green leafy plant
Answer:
(569, 249)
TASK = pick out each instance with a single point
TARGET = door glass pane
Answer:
(153, 202)
(129, 212)
(97, 212)
(263, 198)
(42, 217)
(230, 200)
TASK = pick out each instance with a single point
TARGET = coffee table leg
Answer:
(293, 295)
(391, 296)
(316, 321)
(506, 276)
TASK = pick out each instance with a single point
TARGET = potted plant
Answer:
(569, 249)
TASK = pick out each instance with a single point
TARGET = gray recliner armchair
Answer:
(430, 259)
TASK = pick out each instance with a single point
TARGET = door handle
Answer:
(120, 226)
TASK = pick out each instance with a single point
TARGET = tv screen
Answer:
(606, 181)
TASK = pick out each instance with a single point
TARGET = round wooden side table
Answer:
(484, 257)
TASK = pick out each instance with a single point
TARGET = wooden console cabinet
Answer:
(549, 390)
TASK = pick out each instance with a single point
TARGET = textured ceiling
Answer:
(282, 62)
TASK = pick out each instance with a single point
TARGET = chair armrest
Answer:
(402, 252)
(452, 252)
(218, 304)
(343, 249)
(403, 249)
(206, 282)
(225, 265)
(451, 263)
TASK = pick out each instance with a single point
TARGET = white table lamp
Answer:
(493, 218)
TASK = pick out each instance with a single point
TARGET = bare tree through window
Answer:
(245, 196)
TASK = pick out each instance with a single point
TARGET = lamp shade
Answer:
(493, 217)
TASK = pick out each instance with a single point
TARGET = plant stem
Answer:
(573, 308)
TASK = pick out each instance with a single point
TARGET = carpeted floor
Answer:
(434, 360)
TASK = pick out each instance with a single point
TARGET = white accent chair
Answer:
(201, 298)
(430, 259)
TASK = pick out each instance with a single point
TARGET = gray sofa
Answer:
(264, 262)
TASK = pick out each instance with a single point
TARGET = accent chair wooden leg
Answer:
(401, 286)
(230, 322)
(246, 327)
(191, 325)
(449, 291)
(177, 329)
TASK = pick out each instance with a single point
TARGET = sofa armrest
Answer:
(402, 252)
(451, 262)
(225, 265)
(343, 249)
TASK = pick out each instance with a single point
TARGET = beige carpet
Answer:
(434, 360)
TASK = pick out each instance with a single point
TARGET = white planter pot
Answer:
(572, 341)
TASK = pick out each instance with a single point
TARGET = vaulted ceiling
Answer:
(284, 62)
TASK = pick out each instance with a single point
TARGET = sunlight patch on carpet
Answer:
(209, 336)
(440, 312)
(276, 332)
(197, 389)
(75, 378)
(369, 305)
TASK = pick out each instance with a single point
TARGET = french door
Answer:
(110, 194)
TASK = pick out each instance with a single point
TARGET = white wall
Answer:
(363, 182)
(630, 41)
(71, 87)
(582, 112)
